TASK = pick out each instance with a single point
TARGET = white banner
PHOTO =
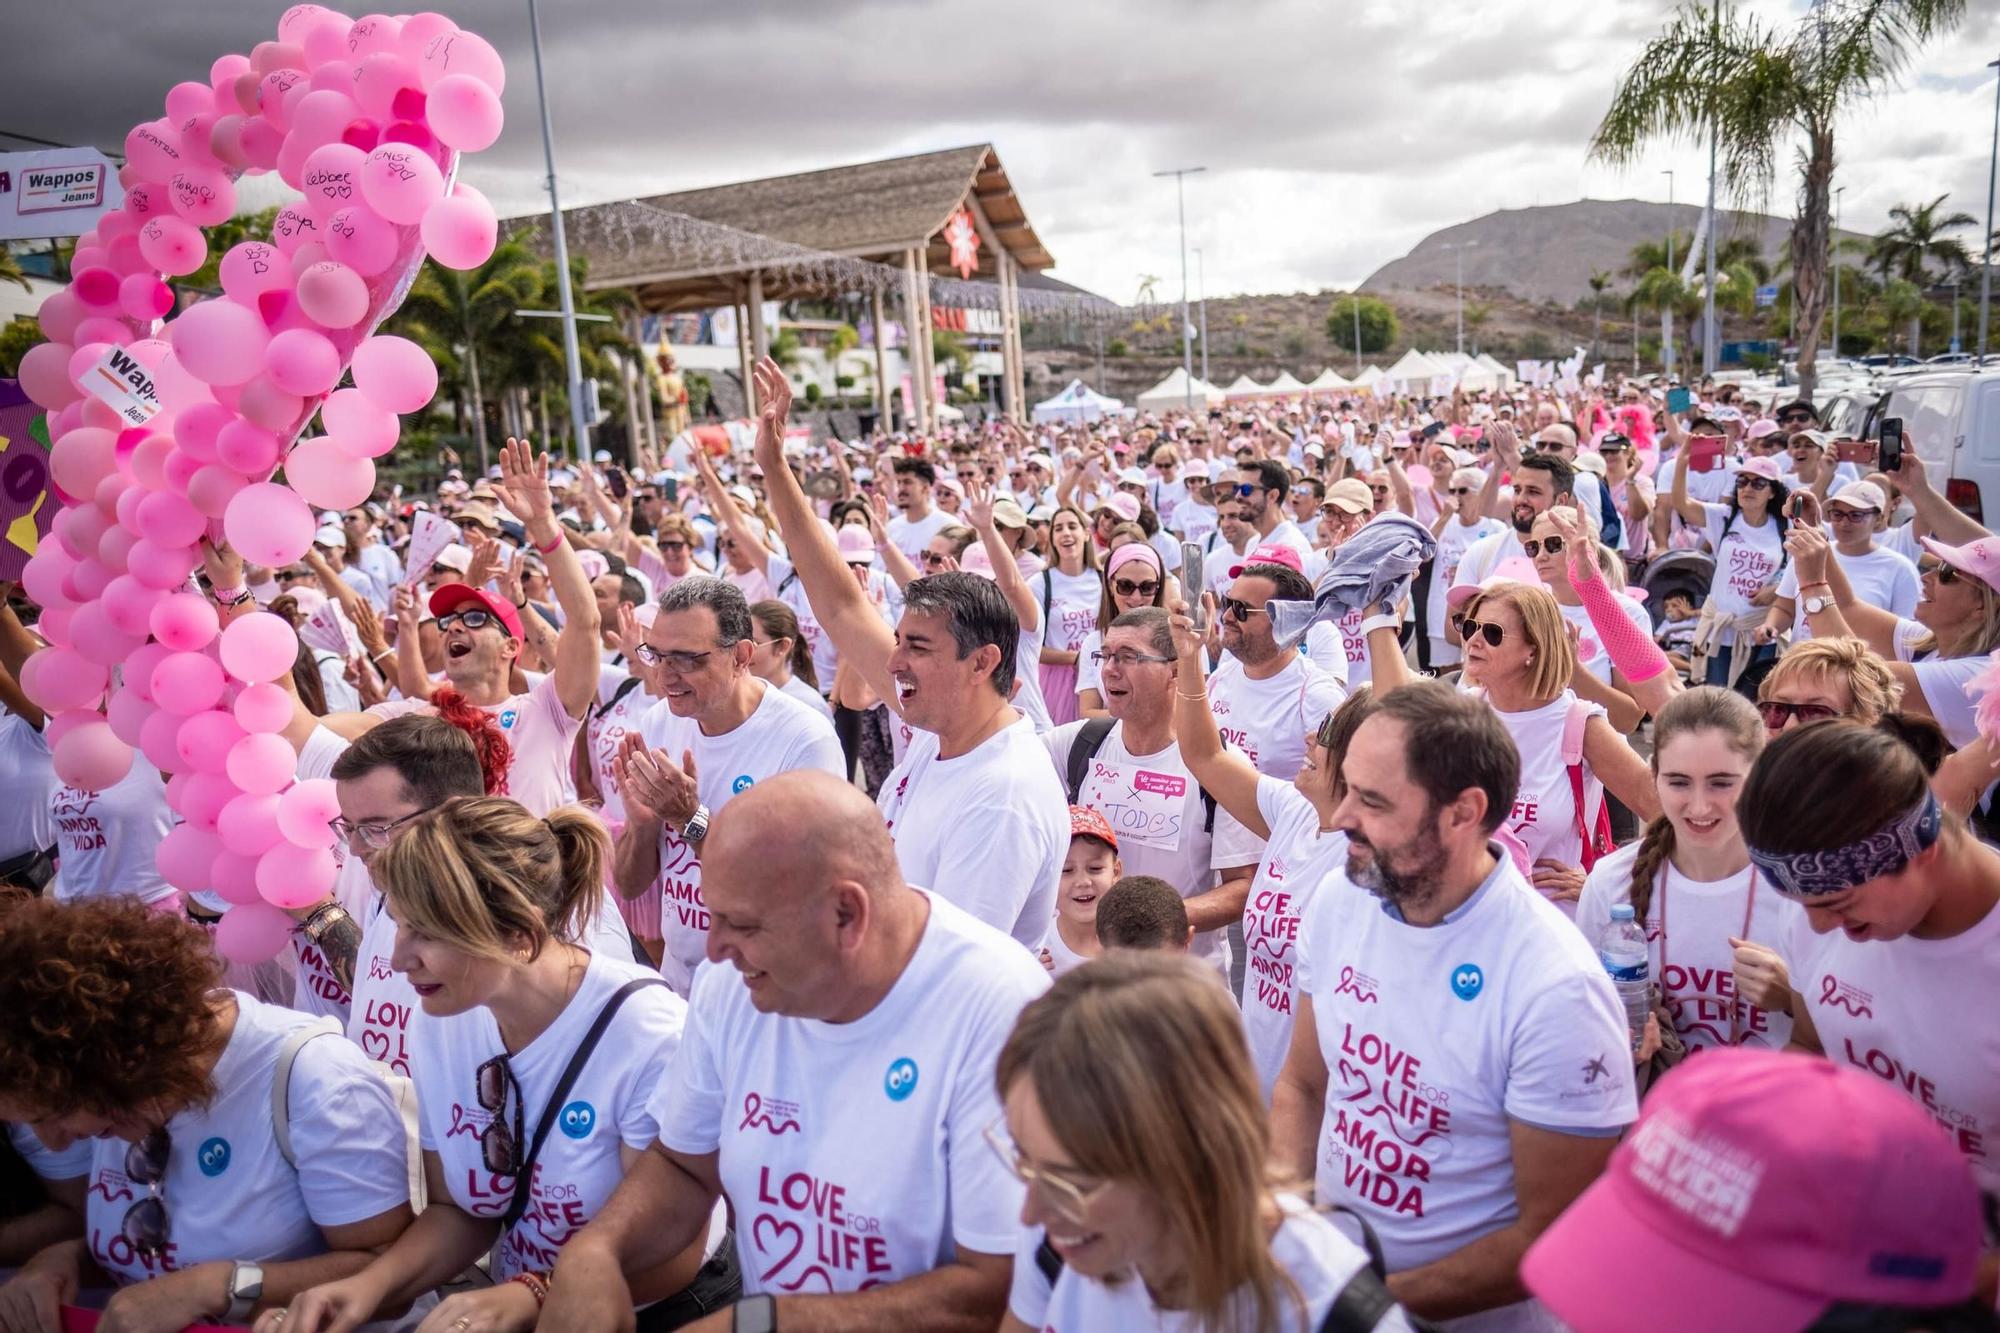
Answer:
(55, 192)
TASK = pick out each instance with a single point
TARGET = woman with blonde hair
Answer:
(1827, 678)
(520, 1032)
(1133, 1117)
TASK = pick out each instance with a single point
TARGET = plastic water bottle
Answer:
(1623, 951)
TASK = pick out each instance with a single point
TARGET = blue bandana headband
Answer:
(1884, 852)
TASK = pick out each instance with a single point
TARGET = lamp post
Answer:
(1986, 269)
(1667, 311)
(573, 360)
(1354, 303)
(1180, 175)
(1458, 249)
(1834, 247)
(1201, 303)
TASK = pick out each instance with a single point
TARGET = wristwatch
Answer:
(246, 1285)
(1814, 605)
(755, 1314)
(697, 826)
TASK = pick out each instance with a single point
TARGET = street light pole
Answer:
(1354, 303)
(1201, 301)
(1459, 255)
(1834, 247)
(573, 359)
(1180, 175)
(1986, 269)
(1667, 311)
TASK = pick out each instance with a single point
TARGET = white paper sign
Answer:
(1142, 805)
(431, 534)
(118, 381)
(329, 630)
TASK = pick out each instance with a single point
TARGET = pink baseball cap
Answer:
(1760, 467)
(1270, 553)
(1980, 559)
(1123, 505)
(1514, 569)
(976, 561)
(1757, 1189)
(457, 596)
(856, 546)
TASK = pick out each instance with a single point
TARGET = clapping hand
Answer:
(653, 786)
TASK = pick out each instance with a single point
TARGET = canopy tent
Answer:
(1415, 372)
(1078, 402)
(1449, 361)
(1505, 373)
(1368, 376)
(1243, 387)
(1285, 383)
(1476, 377)
(1329, 379)
(1176, 391)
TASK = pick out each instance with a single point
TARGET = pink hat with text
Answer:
(1980, 559)
(1758, 1189)
(1270, 553)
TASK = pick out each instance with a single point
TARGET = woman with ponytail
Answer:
(534, 1059)
(1709, 916)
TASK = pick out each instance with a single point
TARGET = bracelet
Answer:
(228, 597)
(1200, 698)
(554, 542)
(537, 1285)
(1819, 583)
(1394, 622)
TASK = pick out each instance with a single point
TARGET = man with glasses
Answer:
(832, 1082)
(1267, 699)
(1542, 480)
(1879, 577)
(717, 731)
(1797, 415)
(1262, 484)
(1132, 773)
(1631, 495)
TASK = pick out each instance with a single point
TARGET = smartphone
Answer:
(619, 485)
(1853, 451)
(670, 490)
(1680, 400)
(1704, 453)
(1192, 585)
(1890, 447)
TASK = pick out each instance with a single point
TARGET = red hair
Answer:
(495, 754)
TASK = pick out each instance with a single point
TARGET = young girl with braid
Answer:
(1709, 917)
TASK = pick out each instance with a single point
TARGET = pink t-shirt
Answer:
(541, 732)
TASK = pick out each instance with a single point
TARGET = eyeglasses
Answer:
(1777, 715)
(499, 1146)
(1794, 418)
(1852, 515)
(146, 1224)
(1754, 483)
(370, 833)
(1127, 588)
(933, 560)
(1240, 610)
(1486, 630)
(473, 620)
(291, 575)
(1125, 658)
(1065, 1198)
(1534, 546)
(679, 663)
(1459, 490)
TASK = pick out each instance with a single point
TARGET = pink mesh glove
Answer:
(1631, 649)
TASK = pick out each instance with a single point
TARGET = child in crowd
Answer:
(1091, 868)
(1143, 912)
(1676, 632)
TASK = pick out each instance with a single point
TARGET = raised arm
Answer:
(524, 488)
(1230, 778)
(1006, 573)
(901, 572)
(725, 508)
(1941, 518)
(1506, 457)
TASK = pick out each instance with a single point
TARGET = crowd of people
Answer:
(1154, 872)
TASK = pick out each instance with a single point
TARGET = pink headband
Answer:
(1131, 551)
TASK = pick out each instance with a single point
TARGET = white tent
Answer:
(1505, 373)
(1476, 377)
(1329, 379)
(1078, 402)
(1285, 383)
(1368, 376)
(1415, 372)
(1176, 390)
(1243, 387)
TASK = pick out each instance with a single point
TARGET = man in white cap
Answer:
(1879, 576)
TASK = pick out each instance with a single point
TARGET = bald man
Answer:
(833, 1080)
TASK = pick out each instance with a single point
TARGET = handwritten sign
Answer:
(1142, 805)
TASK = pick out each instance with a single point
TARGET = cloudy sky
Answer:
(1335, 135)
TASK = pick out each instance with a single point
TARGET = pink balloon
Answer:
(363, 429)
(169, 519)
(129, 603)
(324, 37)
(54, 625)
(62, 724)
(103, 329)
(465, 112)
(84, 458)
(94, 636)
(188, 99)
(233, 878)
(204, 741)
(202, 195)
(250, 268)
(162, 567)
(203, 798)
(136, 671)
(249, 824)
(143, 202)
(268, 524)
(394, 373)
(225, 140)
(273, 87)
(262, 141)
(186, 856)
(306, 810)
(332, 294)
(271, 407)
(83, 360)
(128, 714)
(327, 476)
(114, 549)
(45, 374)
(331, 174)
(293, 227)
(153, 150)
(292, 876)
(302, 362)
(461, 232)
(372, 33)
(246, 447)
(252, 933)
(195, 430)
(259, 647)
(378, 77)
(60, 311)
(183, 622)
(262, 762)
(361, 240)
(263, 707)
(42, 576)
(186, 683)
(157, 741)
(220, 342)
(91, 757)
(64, 679)
(213, 487)
(173, 245)
(144, 297)
(466, 53)
(94, 286)
(400, 183)
(180, 470)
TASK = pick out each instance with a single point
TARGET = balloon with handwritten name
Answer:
(163, 435)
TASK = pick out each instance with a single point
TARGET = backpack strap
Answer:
(1360, 1306)
(629, 684)
(1088, 741)
(281, 1082)
(1048, 593)
(1595, 835)
(1048, 1261)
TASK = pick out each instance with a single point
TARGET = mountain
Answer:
(1548, 253)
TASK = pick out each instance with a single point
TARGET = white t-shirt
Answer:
(1879, 578)
(796, 688)
(72, 1163)
(1307, 1247)
(1288, 533)
(1590, 652)
(1913, 1013)
(1297, 860)
(1454, 539)
(1167, 497)
(1269, 719)
(987, 830)
(1437, 1039)
(107, 840)
(540, 732)
(781, 734)
(911, 536)
(1070, 607)
(1154, 805)
(1544, 816)
(27, 816)
(1689, 924)
(229, 1192)
(622, 699)
(852, 1153)
(1028, 677)
(1747, 559)
(1194, 522)
(579, 1166)
(1488, 553)
(790, 589)
(1059, 957)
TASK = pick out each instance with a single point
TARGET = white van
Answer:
(1951, 417)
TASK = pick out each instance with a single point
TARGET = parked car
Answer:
(1951, 417)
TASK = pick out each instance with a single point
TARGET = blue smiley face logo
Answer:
(214, 1157)
(507, 717)
(742, 784)
(901, 1079)
(1467, 981)
(578, 1119)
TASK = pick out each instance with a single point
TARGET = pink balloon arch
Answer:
(163, 435)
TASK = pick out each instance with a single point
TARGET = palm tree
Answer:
(1659, 281)
(1716, 70)
(1477, 313)
(1903, 301)
(10, 270)
(1907, 249)
(1599, 280)
(1149, 285)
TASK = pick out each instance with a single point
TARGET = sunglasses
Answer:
(1246, 490)
(679, 663)
(1487, 630)
(370, 833)
(473, 620)
(1459, 490)
(1127, 588)
(146, 1224)
(1534, 546)
(932, 560)
(1946, 574)
(1754, 483)
(1778, 715)
(499, 1146)
(1240, 610)
(1794, 418)
(673, 546)
(1324, 736)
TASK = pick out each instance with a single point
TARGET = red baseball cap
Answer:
(1270, 553)
(1085, 822)
(1757, 1189)
(454, 595)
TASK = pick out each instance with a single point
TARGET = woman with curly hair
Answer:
(195, 1207)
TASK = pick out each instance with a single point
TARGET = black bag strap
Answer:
(1048, 593)
(519, 1204)
(1089, 740)
(1359, 1307)
(625, 687)
(1048, 1261)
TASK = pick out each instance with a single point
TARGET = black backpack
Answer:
(1089, 740)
